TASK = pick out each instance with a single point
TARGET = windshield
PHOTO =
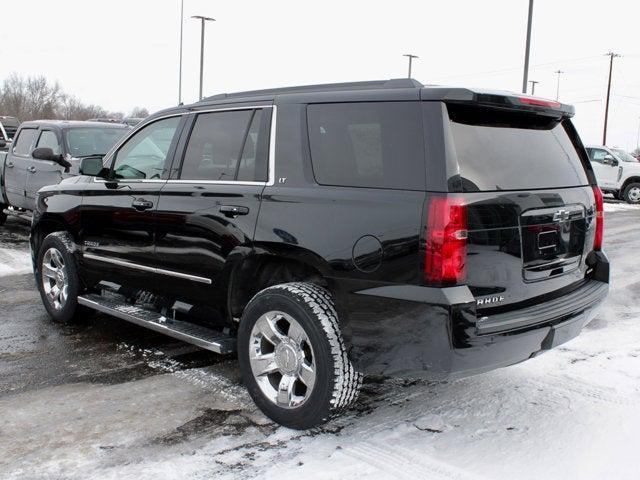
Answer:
(84, 142)
(624, 156)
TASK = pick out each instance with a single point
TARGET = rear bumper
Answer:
(434, 333)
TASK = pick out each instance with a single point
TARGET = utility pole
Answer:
(606, 108)
(559, 72)
(411, 57)
(203, 20)
(533, 86)
(180, 54)
(527, 49)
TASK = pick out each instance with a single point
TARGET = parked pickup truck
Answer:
(332, 231)
(46, 151)
(617, 172)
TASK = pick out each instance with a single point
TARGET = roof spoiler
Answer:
(499, 100)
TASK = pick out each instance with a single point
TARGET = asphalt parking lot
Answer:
(107, 399)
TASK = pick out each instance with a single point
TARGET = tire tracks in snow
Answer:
(405, 465)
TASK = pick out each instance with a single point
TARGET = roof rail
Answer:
(326, 87)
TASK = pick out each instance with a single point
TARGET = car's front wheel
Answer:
(631, 193)
(292, 356)
(57, 278)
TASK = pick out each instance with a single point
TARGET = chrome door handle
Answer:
(233, 210)
(10, 165)
(32, 169)
(141, 204)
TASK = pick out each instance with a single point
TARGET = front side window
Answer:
(597, 155)
(223, 146)
(49, 139)
(144, 155)
(377, 145)
(26, 138)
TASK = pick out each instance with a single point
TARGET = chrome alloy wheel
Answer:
(282, 359)
(634, 194)
(55, 279)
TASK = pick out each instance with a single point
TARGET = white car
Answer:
(617, 172)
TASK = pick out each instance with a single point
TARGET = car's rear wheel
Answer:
(292, 356)
(632, 193)
(57, 278)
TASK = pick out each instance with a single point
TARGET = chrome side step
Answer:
(203, 337)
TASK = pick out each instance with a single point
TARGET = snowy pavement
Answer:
(108, 400)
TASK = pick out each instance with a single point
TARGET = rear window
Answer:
(377, 145)
(513, 151)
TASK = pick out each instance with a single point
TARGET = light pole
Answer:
(202, 20)
(180, 54)
(606, 108)
(411, 57)
(533, 86)
(527, 49)
(559, 72)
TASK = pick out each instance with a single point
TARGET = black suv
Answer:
(326, 232)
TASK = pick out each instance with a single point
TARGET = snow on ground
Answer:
(572, 413)
(13, 262)
(620, 207)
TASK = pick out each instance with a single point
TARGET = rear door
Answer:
(210, 206)
(41, 173)
(607, 173)
(15, 172)
(531, 208)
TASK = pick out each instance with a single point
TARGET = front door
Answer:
(118, 214)
(15, 170)
(606, 173)
(210, 208)
(41, 173)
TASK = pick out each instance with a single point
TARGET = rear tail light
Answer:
(597, 241)
(446, 241)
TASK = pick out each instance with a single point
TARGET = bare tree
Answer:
(30, 98)
(139, 112)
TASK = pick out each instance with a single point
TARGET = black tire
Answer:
(3, 215)
(631, 193)
(70, 311)
(336, 383)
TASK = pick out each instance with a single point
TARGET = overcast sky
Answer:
(124, 53)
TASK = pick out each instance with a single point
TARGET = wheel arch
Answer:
(47, 224)
(269, 265)
(629, 181)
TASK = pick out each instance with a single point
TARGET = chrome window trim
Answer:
(271, 175)
(145, 268)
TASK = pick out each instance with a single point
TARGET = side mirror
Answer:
(91, 166)
(3, 144)
(45, 153)
(610, 160)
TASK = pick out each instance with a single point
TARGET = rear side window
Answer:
(23, 144)
(513, 151)
(377, 145)
(223, 147)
